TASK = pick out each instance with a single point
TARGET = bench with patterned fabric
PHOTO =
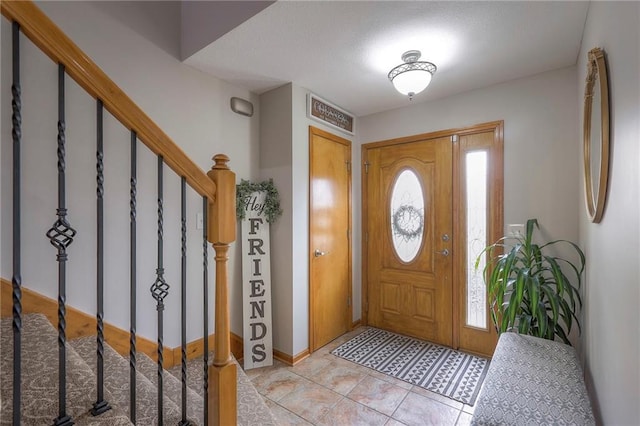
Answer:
(533, 381)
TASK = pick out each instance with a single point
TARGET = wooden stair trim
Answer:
(218, 186)
(80, 324)
(55, 44)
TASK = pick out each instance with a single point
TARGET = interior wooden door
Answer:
(408, 238)
(329, 237)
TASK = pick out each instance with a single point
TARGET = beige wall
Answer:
(284, 143)
(540, 144)
(611, 340)
(275, 163)
(190, 106)
(301, 123)
(542, 174)
(542, 186)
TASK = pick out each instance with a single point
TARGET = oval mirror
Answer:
(595, 140)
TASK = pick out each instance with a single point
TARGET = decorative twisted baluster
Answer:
(16, 278)
(100, 406)
(132, 277)
(183, 298)
(61, 235)
(205, 310)
(160, 290)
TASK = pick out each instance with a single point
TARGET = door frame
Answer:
(314, 131)
(496, 220)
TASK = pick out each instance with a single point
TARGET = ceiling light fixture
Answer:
(413, 76)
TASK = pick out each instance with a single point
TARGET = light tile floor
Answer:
(327, 390)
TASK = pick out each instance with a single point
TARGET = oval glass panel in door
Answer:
(407, 215)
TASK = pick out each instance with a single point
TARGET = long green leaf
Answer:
(552, 301)
(560, 332)
(534, 295)
(528, 288)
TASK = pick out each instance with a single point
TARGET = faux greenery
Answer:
(407, 222)
(528, 288)
(272, 208)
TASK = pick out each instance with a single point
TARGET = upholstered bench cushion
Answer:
(533, 381)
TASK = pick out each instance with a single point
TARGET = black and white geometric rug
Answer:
(450, 373)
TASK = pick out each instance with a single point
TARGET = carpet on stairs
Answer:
(252, 410)
(40, 383)
(39, 404)
(116, 380)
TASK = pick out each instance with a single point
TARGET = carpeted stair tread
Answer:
(40, 383)
(40, 377)
(195, 374)
(251, 404)
(116, 377)
(173, 387)
(252, 409)
(113, 417)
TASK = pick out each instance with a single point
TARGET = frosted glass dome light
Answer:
(413, 76)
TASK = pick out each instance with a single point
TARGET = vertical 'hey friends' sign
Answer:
(256, 280)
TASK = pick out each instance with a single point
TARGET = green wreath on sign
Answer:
(272, 209)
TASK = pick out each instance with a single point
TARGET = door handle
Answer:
(318, 253)
(444, 252)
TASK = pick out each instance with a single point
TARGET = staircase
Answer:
(40, 381)
(61, 380)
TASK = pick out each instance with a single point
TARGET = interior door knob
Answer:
(318, 253)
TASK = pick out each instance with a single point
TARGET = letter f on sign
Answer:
(253, 222)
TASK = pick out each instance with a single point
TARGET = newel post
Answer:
(222, 231)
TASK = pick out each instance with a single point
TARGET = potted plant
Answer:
(529, 289)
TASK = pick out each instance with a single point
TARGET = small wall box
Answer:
(241, 106)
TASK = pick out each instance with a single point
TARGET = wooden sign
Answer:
(256, 284)
(330, 114)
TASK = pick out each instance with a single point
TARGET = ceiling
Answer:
(343, 50)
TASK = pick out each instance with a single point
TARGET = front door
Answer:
(329, 237)
(408, 238)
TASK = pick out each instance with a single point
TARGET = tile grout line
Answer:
(342, 397)
(398, 407)
(370, 408)
(366, 373)
(286, 409)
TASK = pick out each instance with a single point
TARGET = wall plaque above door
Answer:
(329, 114)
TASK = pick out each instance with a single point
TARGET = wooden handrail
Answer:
(218, 185)
(55, 44)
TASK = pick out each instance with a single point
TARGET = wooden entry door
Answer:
(408, 238)
(329, 237)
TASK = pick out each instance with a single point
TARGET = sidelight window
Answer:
(476, 231)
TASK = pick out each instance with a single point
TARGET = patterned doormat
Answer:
(450, 373)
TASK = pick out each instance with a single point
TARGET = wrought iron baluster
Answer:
(16, 278)
(183, 297)
(160, 289)
(132, 276)
(205, 295)
(61, 235)
(100, 406)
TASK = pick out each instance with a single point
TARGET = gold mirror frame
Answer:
(596, 70)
